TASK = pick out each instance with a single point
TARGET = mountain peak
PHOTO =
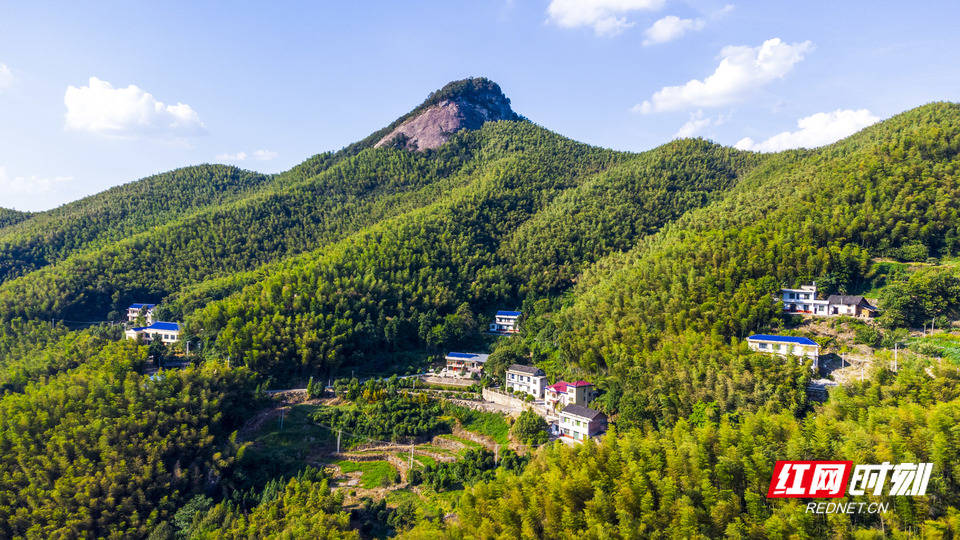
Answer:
(463, 104)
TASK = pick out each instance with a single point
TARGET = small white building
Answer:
(786, 346)
(466, 364)
(506, 322)
(579, 423)
(803, 300)
(135, 310)
(167, 332)
(852, 306)
(528, 379)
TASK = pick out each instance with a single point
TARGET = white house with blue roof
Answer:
(786, 346)
(135, 310)
(465, 364)
(506, 322)
(167, 332)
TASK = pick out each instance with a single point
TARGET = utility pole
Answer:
(281, 419)
(339, 431)
(895, 350)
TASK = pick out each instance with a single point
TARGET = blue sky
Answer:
(94, 95)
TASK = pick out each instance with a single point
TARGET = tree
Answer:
(530, 428)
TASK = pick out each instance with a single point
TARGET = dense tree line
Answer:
(396, 418)
(104, 451)
(473, 466)
(11, 217)
(304, 508)
(927, 295)
(40, 349)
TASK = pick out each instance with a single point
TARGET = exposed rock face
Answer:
(467, 108)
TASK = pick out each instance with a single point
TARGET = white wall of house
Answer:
(166, 336)
(786, 349)
(524, 382)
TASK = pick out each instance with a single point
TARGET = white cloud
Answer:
(264, 155)
(239, 156)
(606, 17)
(725, 9)
(670, 28)
(815, 130)
(6, 77)
(742, 70)
(33, 185)
(127, 112)
(697, 123)
(259, 155)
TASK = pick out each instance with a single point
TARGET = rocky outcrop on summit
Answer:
(465, 104)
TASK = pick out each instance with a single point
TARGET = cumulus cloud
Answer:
(259, 155)
(606, 17)
(127, 112)
(32, 185)
(697, 123)
(670, 28)
(741, 70)
(814, 130)
(6, 77)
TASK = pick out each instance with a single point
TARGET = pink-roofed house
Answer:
(564, 393)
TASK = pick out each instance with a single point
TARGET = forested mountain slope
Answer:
(47, 237)
(357, 192)
(10, 217)
(798, 217)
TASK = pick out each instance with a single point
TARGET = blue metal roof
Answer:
(141, 306)
(783, 339)
(508, 314)
(477, 357)
(160, 325)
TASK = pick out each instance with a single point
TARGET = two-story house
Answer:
(465, 364)
(506, 322)
(803, 300)
(786, 346)
(562, 393)
(579, 422)
(135, 310)
(528, 379)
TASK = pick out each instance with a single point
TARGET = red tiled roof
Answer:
(560, 386)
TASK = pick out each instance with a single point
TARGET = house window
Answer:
(763, 345)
